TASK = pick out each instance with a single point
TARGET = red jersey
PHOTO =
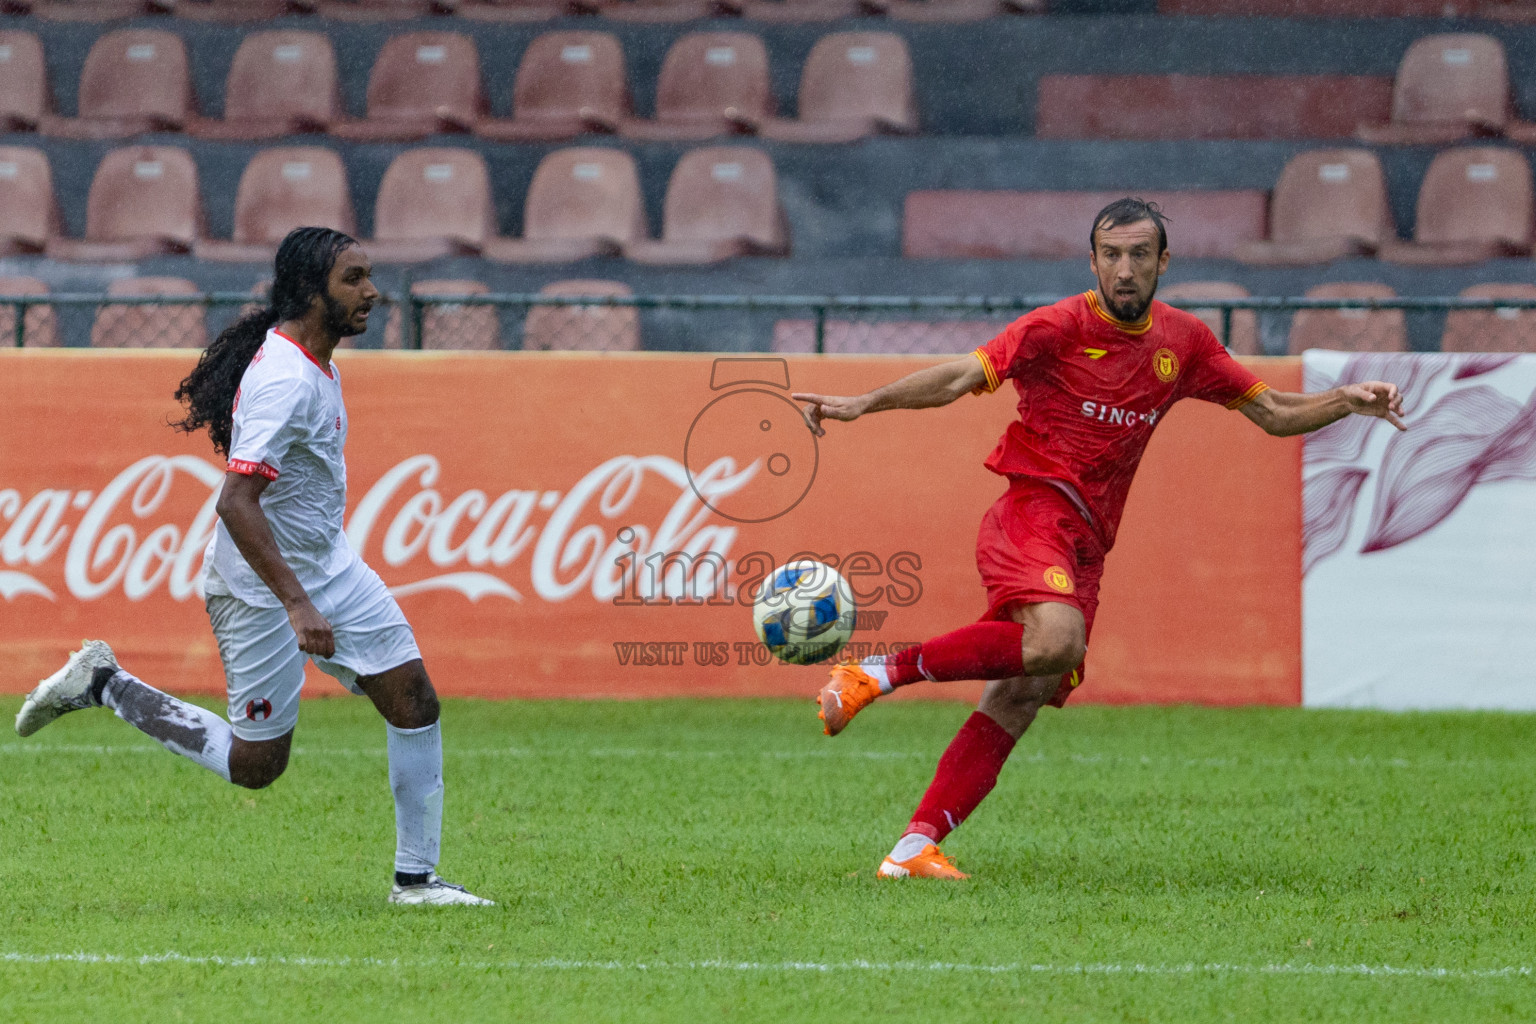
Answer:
(1091, 390)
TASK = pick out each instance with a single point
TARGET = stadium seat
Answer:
(375, 10)
(238, 11)
(1349, 330)
(421, 83)
(583, 202)
(655, 11)
(1329, 204)
(449, 325)
(92, 10)
(582, 328)
(567, 83)
(432, 203)
(1475, 204)
(1504, 329)
(282, 189)
(514, 11)
(150, 326)
(1448, 88)
(854, 84)
(722, 201)
(711, 83)
(23, 82)
(948, 11)
(39, 328)
(133, 81)
(144, 201)
(29, 214)
(964, 225)
(888, 337)
(1245, 322)
(795, 11)
(1208, 106)
(280, 83)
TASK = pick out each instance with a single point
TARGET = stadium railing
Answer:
(785, 324)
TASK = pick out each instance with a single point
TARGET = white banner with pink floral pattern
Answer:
(1419, 548)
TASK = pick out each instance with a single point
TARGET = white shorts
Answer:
(264, 668)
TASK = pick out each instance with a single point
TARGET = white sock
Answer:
(909, 846)
(186, 729)
(416, 778)
(875, 666)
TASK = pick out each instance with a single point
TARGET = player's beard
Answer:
(1132, 311)
(338, 319)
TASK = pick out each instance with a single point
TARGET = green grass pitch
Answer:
(714, 860)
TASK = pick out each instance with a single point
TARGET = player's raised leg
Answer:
(1045, 639)
(92, 678)
(405, 697)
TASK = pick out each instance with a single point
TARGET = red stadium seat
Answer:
(150, 326)
(280, 83)
(795, 11)
(654, 11)
(949, 11)
(514, 11)
(854, 84)
(1245, 322)
(133, 81)
(144, 202)
(1349, 330)
(890, 337)
(282, 189)
(92, 10)
(455, 326)
(24, 99)
(421, 83)
(1504, 329)
(1475, 204)
(432, 203)
(567, 83)
(1054, 225)
(582, 328)
(583, 202)
(238, 11)
(29, 216)
(721, 202)
(1329, 204)
(711, 83)
(39, 329)
(1448, 88)
(1207, 106)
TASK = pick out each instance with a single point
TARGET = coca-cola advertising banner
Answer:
(566, 525)
(1420, 565)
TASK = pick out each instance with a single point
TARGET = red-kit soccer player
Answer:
(1095, 373)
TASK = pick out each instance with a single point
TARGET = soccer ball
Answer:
(804, 612)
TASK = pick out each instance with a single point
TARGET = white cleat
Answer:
(68, 689)
(435, 892)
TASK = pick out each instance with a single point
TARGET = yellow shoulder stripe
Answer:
(1253, 392)
(993, 381)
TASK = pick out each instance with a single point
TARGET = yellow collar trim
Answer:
(1141, 326)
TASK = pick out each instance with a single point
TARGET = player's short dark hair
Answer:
(302, 271)
(1130, 210)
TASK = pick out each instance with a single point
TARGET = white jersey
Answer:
(289, 426)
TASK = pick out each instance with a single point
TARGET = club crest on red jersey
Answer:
(1057, 579)
(1165, 364)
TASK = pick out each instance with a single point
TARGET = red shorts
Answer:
(1035, 546)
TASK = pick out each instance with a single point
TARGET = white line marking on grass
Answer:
(778, 967)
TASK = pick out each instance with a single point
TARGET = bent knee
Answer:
(1058, 655)
(255, 778)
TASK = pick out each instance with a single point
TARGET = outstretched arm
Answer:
(1286, 413)
(924, 389)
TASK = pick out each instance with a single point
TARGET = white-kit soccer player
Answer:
(281, 582)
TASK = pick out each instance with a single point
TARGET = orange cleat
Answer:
(850, 691)
(930, 863)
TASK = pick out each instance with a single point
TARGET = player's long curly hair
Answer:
(303, 268)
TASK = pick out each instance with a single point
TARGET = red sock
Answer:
(966, 774)
(982, 650)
